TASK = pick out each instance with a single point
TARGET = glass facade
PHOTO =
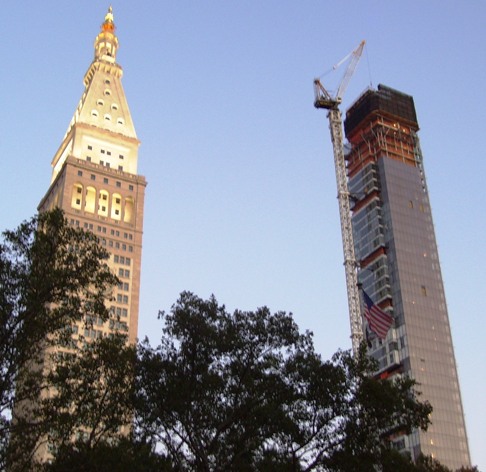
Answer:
(399, 266)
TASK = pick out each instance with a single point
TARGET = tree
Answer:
(246, 391)
(125, 455)
(92, 394)
(51, 276)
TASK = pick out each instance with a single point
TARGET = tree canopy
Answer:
(51, 275)
(247, 391)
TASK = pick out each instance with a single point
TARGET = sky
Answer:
(241, 197)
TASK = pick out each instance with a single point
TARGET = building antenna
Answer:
(369, 67)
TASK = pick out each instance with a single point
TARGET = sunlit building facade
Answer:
(95, 179)
(396, 249)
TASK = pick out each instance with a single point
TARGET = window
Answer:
(120, 121)
(90, 148)
(130, 187)
(107, 92)
(90, 203)
(94, 113)
(77, 192)
(120, 168)
(121, 156)
(88, 158)
(107, 81)
(100, 102)
(127, 273)
(114, 106)
(105, 180)
(423, 289)
(93, 177)
(108, 153)
(118, 184)
(102, 151)
(80, 173)
(116, 258)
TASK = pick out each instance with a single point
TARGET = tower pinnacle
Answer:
(106, 42)
(108, 25)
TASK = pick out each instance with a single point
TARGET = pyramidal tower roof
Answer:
(103, 103)
(102, 111)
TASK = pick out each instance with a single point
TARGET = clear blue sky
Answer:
(241, 200)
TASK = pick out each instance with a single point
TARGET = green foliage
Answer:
(51, 275)
(247, 391)
(92, 393)
(125, 455)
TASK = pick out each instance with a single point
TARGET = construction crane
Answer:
(324, 99)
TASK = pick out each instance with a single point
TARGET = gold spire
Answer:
(108, 24)
(106, 42)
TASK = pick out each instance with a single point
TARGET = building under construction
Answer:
(396, 252)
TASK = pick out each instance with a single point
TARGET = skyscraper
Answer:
(95, 180)
(399, 266)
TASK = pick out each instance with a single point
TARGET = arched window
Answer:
(129, 205)
(90, 202)
(103, 203)
(116, 206)
(77, 196)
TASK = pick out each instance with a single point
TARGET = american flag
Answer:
(378, 321)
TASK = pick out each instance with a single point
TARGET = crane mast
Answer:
(323, 99)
